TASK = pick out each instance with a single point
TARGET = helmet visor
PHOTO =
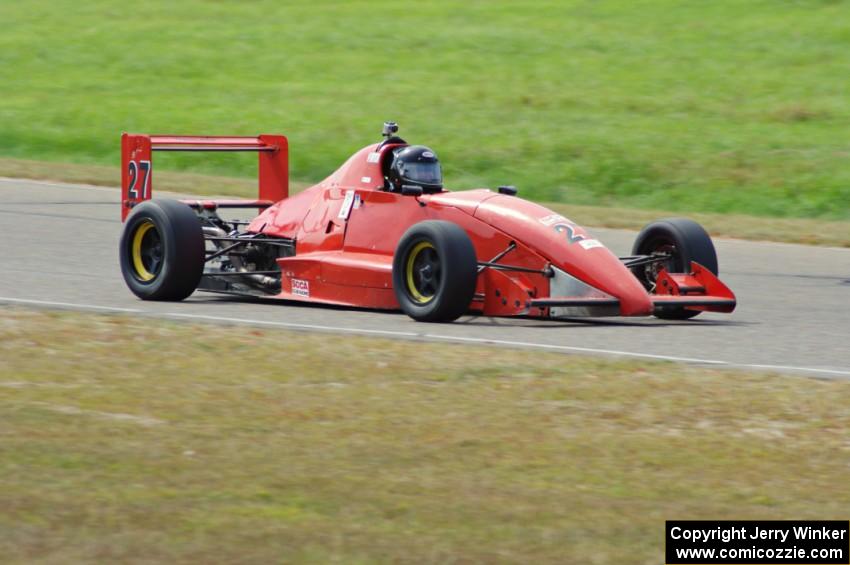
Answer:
(425, 173)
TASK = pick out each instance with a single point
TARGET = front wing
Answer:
(698, 290)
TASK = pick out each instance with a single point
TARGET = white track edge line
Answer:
(458, 339)
(289, 325)
(793, 368)
(637, 355)
(485, 340)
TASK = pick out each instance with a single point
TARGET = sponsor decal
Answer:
(373, 157)
(590, 243)
(427, 154)
(345, 209)
(356, 201)
(553, 219)
(365, 179)
(300, 287)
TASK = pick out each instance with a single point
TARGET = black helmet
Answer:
(415, 165)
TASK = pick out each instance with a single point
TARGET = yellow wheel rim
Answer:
(138, 264)
(410, 271)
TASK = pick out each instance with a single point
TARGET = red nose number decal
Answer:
(567, 229)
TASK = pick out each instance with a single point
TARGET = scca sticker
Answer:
(301, 287)
(591, 243)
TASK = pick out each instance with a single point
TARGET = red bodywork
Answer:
(347, 227)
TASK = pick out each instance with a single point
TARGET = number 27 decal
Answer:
(144, 186)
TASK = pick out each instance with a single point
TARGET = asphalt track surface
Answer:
(59, 249)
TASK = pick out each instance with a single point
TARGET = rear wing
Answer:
(137, 164)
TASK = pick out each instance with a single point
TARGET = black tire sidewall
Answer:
(458, 264)
(692, 244)
(691, 240)
(183, 250)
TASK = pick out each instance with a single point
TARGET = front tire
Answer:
(685, 241)
(435, 271)
(162, 250)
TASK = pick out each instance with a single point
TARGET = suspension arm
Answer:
(638, 260)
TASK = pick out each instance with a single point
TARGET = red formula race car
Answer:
(381, 232)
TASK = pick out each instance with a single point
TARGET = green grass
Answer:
(148, 441)
(721, 106)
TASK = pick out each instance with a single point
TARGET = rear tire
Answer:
(686, 241)
(162, 250)
(435, 271)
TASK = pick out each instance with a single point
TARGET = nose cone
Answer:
(619, 282)
(569, 247)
